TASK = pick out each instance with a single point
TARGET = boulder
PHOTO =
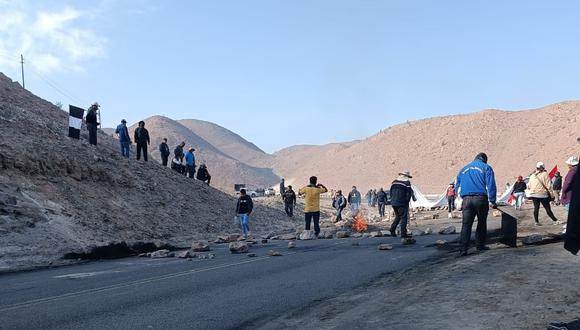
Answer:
(328, 235)
(384, 247)
(185, 254)
(291, 244)
(287, 237)
(408, 241)
(428, 231)
(376, 234)
(161, 254)
(341, 234)
(273, 253)
(366, 235)
(221, 239)
(435, 216)
(417, 232)
(440, 242)
(532, 239)
(200, 246)
(233, 237)
(447, 230)
(496, 213)
(307, 235)
(239, 247)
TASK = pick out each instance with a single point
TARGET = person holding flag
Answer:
(540, 192)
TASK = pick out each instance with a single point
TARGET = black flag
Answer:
(75, 120)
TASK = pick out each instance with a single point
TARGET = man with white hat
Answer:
(566, 197)
(401, 194)
(476, 186)
(540, 192)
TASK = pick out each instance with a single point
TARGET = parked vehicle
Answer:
(270, 192)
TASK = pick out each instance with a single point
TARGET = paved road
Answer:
(230, 291)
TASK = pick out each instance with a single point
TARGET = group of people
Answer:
(184, 162)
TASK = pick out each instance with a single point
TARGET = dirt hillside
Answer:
(225, 168)
(59, 195)
(435, 149)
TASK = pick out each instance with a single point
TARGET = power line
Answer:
(55, 86)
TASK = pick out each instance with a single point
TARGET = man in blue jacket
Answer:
(124, 139)
(190, 163)
(476, 185)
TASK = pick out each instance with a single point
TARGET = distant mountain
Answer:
(225, 169)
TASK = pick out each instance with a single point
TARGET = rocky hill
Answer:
(59, 195)
(434, 149)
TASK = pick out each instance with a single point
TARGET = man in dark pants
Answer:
(91, 120)
(164, 151)
(381, 201)
(289, 201)
(401, 195)
(142, 140)
(476, 185)
(311, 195)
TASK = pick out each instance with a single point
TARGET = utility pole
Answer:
(22, 66)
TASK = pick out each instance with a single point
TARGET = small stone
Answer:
(239, 247)
(366, 235)
(448, 230)
(341, 234)
(233, 237)
(287, 237)
(328, 235)
(252, 255)
(291, 244)
(211, 256)
(384, 247)
(376, 234)
(435, 216)
(357, 235)
(408, 241)
(141, 255)
(161, 254)
(440, 242)
(200, 246)
(417, 232)
(308, 235)
(273, 253)
(221, 240)
(532, 239)
(496, 213)
(428, 231)
(184, 254)
(264, 241)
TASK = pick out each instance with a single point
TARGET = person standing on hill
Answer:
(382, 202)
(142, 140)
(178, 151)
(476, 185)
(282, 188)
(557, 187)
(520, 187)
(190, 163)
(450, 199)
(540, 192)
(401, 195)
(311, 195)
(354, 199)
(91, 120)
(244, 208)
(566, 198)
(289, 199)
(339, 203)
(164, 151)
(124, 139)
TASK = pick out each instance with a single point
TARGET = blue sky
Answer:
(281, 73)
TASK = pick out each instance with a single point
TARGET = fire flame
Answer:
(359, 225)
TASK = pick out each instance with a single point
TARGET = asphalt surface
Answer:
(230, 291)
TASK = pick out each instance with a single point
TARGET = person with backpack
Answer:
(540, 192)
(289, 198)
(124, 139)
(244, 208)
(164, 151)
(450, 193)
(354, 199)
(203, 174)
(476, 185)
(92, 124)
(339, 203)
(142, 140)
(311, 195)
(190, 163)
(382, 201)
(401, 195)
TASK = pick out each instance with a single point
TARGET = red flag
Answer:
(553, 172)
(511, 200)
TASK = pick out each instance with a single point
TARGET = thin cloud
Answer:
(48, 38)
